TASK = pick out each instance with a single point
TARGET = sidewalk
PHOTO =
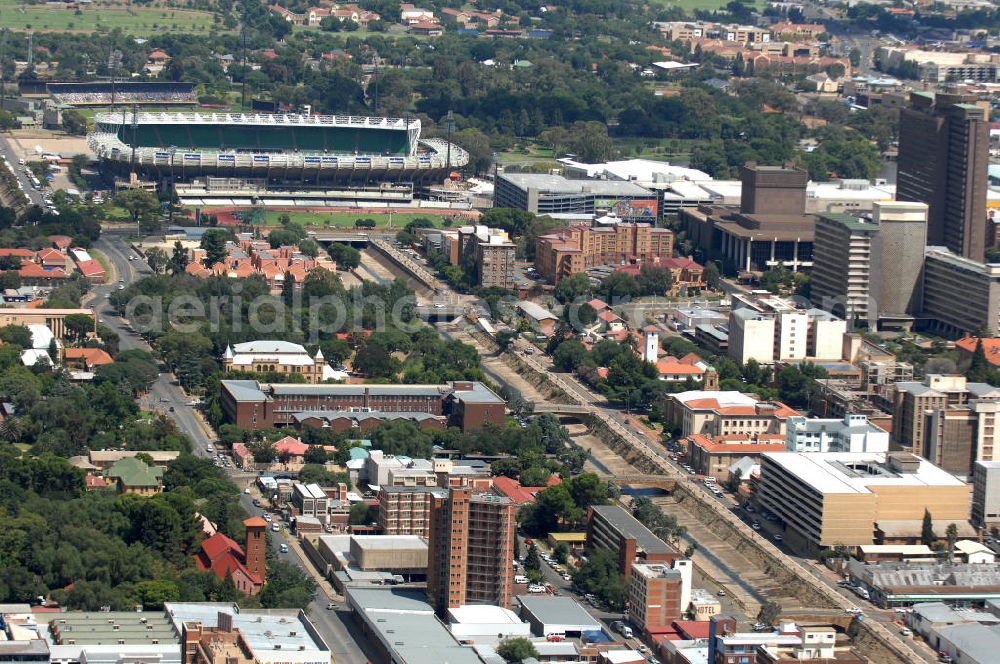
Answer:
(321, 582)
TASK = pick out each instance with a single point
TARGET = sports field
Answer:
(139, 21)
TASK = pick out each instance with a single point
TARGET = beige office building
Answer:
(827, 499)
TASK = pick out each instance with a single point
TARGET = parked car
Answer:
(906, 631)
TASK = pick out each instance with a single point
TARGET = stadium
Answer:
(279, 151)
(101, 93)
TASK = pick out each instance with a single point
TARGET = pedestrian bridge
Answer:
(561, 408)
(664, 482)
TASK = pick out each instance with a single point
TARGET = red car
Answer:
(529, 541)
(555, 637)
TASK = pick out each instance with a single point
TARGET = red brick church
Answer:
(224, 557)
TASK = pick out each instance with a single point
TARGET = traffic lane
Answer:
(11, 154)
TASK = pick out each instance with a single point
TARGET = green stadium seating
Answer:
(333, 140)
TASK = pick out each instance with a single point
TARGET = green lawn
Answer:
(139, 21)
(347, 219)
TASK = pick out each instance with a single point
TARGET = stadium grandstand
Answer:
(102, 93)
(299, 150)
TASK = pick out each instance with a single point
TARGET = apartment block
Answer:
(826, 499)
(471, 549)
(658, 594)
(913, 402)
(407, 510)
(488, 251)
(578, 248)
(960, 296)
(853, 433)
(956, 437)
(612, 528)
(768, 329)
(943, 156)
(986, 494)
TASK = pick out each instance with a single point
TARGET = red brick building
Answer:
(471, 549)
(253, 405)
(225, 558)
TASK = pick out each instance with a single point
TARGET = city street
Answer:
(164, 396)
(8, 151)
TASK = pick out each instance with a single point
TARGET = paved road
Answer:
(335, 625)
(163, 395)
(8, 151)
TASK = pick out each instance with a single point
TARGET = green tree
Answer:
(569, 354)
(561, 552)
(142, 206)
(315, 454)
(156, 258)
(618, 286)
(505, 338)
(213, 242)
(569, 289)
(712, 277)
(979, 369)
(951, 532)
(532, 561)
(79, 325)
(178, 260)
(18, 335)
(769, 612)
(288, 289)
(516, 649)
(655, 280)
(74, 122)
(345, 256)
(927, 535)
(374, 360)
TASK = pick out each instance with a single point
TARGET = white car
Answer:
(536, 589)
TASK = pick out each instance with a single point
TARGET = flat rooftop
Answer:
(551, 610)
(263, 629)
(849, 472)
(107, 628)
(556, 184)
(406, 626)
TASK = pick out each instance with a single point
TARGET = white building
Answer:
(268, 356)
(485, 624)
(769, 329)
(852, 434)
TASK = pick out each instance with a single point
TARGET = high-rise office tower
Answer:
(943, 156)
(869, 268)
(471, 549)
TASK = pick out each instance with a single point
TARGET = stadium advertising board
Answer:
(263, 158)
(227, 157)
(192, 157)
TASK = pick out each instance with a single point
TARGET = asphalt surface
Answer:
(8, 151)
(164, 396)
(334, 625)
